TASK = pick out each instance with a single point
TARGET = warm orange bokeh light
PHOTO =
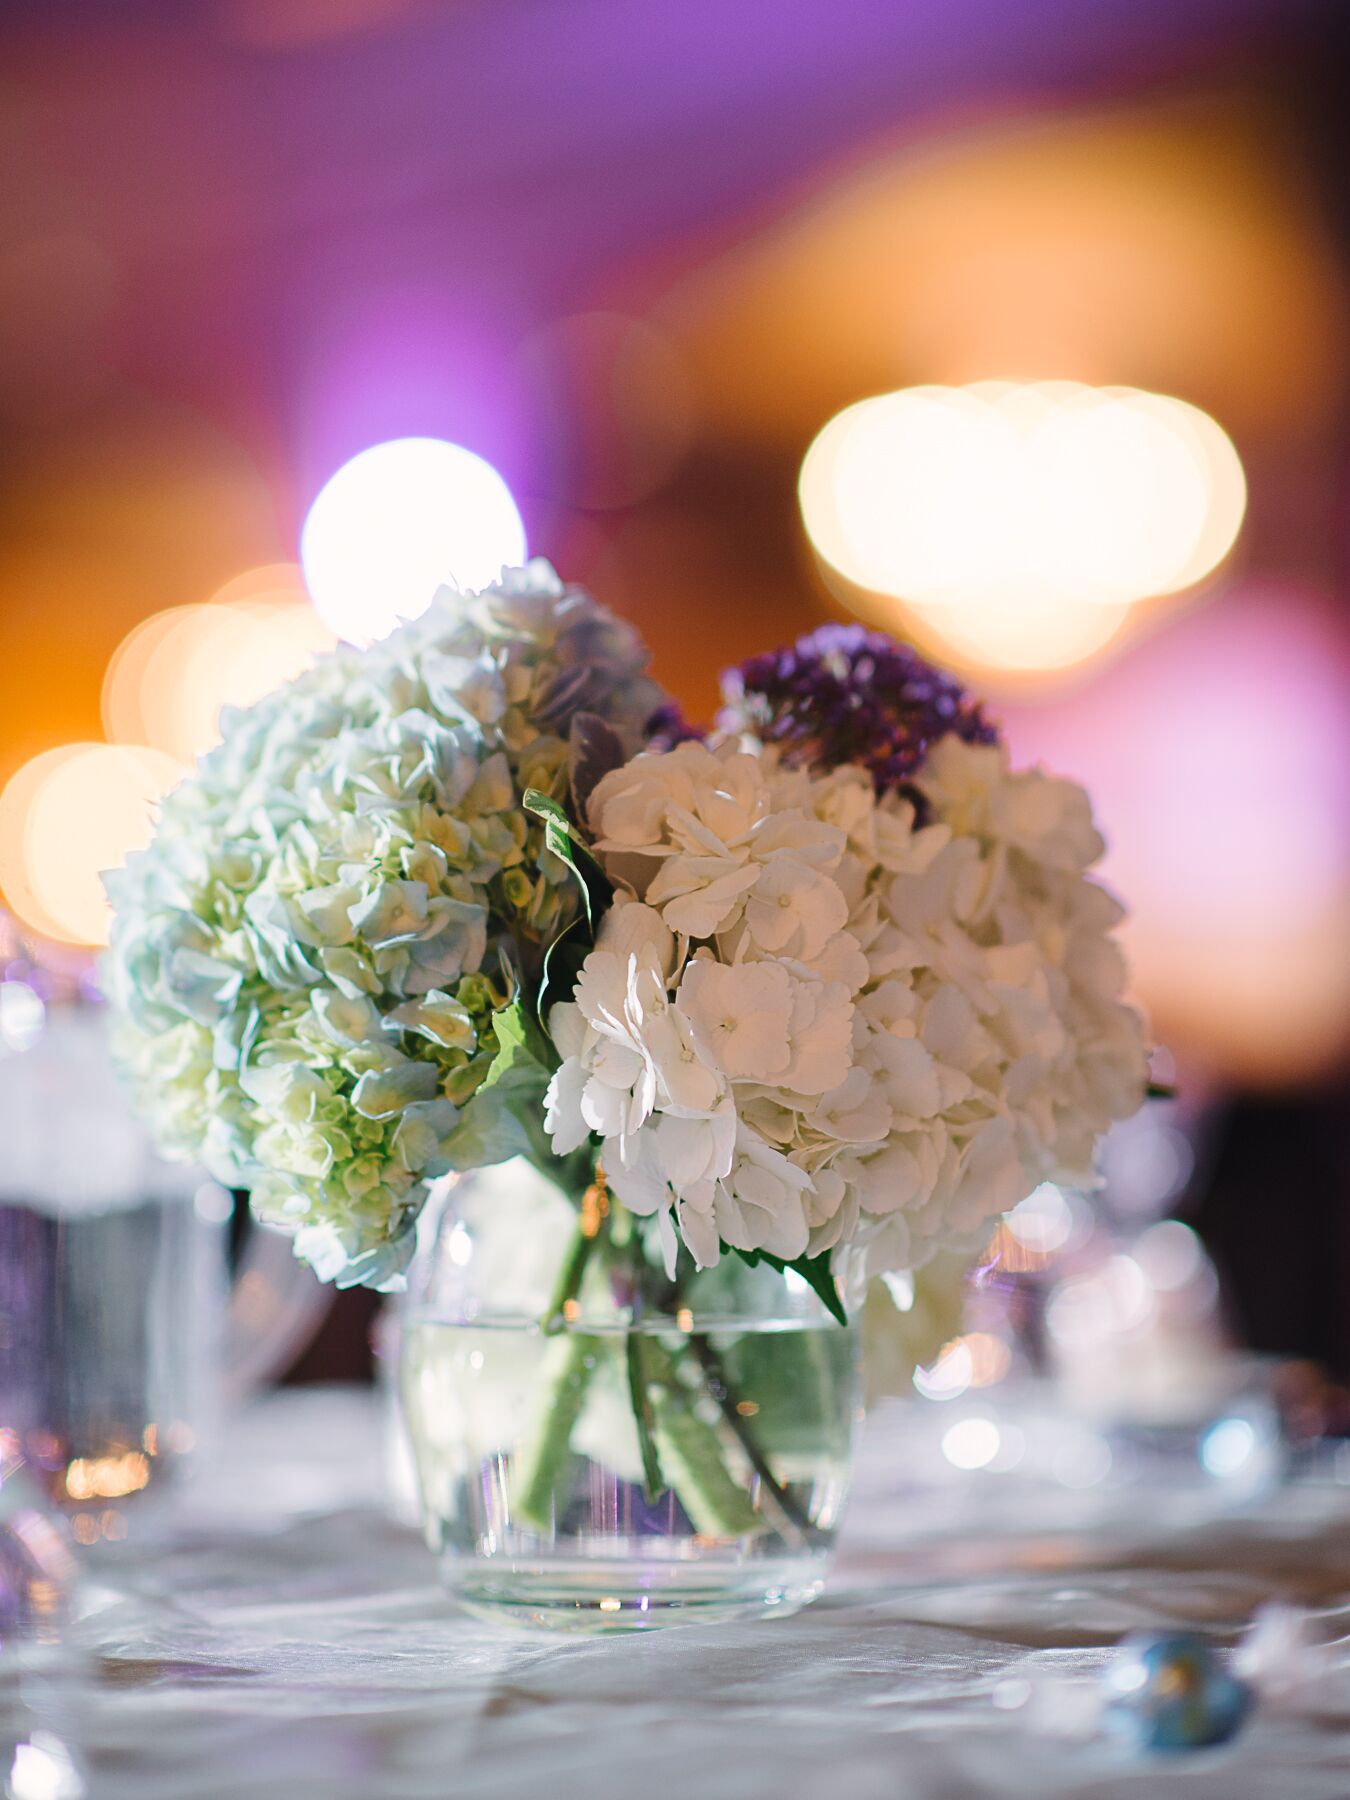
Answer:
(1176, 247)
(172, 674)
(65, 817)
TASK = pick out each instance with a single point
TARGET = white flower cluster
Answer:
(812, 1023)
(295, 961)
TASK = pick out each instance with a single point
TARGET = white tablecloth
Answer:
(289, 1639)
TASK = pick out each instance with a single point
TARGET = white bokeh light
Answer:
(1043, 1222)
(971, 1443)
(398, 522)
(1017, 523)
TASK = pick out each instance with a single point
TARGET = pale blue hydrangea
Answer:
(305, 961)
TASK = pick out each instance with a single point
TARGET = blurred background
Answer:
(1017, 328)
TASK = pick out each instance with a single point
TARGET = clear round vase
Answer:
(602, 1447)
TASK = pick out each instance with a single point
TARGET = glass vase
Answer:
(600, 1446)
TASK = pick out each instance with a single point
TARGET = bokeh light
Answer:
(1181, 246)
(1043, 1222)
(172, 674)
(273, 584)
(22, 1014)
(1020, 521)
(1170, 1254)
(971, 1443)
(398, 522)
(65, 817)
(1020, 630)
(979, 1359)
(1217, 753)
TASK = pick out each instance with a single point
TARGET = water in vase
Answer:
(614, 1477)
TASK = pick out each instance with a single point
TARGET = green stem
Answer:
(568, 1367)
(788, 1514)
(543, 1458)
(777, 1501)
(695, 1462)
(653, 1483)
(570, 1277)
(679, 1449)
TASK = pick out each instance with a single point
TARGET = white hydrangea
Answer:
(304, 963)
(812, 1024)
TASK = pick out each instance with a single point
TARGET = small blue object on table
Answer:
(1169, 1691)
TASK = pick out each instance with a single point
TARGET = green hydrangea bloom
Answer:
(305, 962)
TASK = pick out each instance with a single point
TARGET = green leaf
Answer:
(505, 1117)
(489, 1133)
(545, 807)
(1160, 1090)
(562, 964)
(814, 1270)
(566, 843)
(525, 1055)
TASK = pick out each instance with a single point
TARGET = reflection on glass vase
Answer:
(647, 1450)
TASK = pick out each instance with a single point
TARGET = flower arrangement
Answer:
(831, 985)
(827, 988)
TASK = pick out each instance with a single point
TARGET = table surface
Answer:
(285, 1636)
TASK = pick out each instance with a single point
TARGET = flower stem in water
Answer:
(694, 1459)
(680, 1450)
(789, 1516)
(544, 1456)
(653, 1482)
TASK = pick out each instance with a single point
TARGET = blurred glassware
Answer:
(1094, 1348)
(1231, 1454)
(1104, 1293)
(40, 1665)
(120, 1334)
(41, 1668)
(36, 1566)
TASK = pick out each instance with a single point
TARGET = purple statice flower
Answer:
(668, 727)
(844, 694)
